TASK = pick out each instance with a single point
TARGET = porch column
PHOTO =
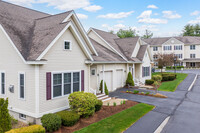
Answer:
(133, 72)
(103, 68)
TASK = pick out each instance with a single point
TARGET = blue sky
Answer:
(162, 17)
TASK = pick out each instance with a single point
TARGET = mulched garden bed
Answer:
(151, 95)
(105, 112)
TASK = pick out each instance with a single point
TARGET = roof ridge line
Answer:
(53, 15)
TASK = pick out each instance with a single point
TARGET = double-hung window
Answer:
(65, 83)
(178, 47)
(57, 85)
(192, 55)
(155, 48)
(67, 45)
(192, 47)
(146, 71)
(2, 81)
(22, 85)
(167, 48)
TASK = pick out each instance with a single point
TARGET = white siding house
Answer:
(44, 58)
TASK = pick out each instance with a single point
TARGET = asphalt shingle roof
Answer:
(104, 54)
(31, 31)
(125, 46)
(161, 40)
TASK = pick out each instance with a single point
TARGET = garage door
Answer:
(108, 79)
(119, 78)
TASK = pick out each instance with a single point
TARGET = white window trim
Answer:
(5, 82)
(24, 85)
(62, 72)
(94, 70)
(70, 45)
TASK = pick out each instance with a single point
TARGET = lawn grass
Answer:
(171, 85)
(119, 122)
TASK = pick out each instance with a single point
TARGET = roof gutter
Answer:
(36, 62)
(112, 62)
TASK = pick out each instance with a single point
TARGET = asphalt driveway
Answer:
(182, 106)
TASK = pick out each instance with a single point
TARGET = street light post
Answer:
(174, 64)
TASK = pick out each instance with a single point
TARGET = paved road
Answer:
(181, 105)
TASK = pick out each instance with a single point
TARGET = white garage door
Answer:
(108, 79)
(119, 78)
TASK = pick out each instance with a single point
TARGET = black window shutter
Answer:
(48, 85)
(82, 80)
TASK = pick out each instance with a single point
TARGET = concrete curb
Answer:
(162, 125)
(192, 83)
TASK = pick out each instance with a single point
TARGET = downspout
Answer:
(103, 68)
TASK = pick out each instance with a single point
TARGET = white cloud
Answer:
(196, 21)
(82, 16)
(145, 17)
(60, 4)
(114, 28)
(145, 14)
(22, 2)
(153, 21)
(195, 13)
(171, 15)
(152, 6)
(66, 4)
(116, 15)
(92, 8)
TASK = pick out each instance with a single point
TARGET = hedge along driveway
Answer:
(172, 85)
(119, 122)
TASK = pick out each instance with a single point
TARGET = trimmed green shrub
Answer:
(135, 92)
(168, 76)
(165, 78)
(105, 88)
(101, 86)
(98, 105)
(171, 77)
(157, 77)
(129, 80)
(114, 104)
(51, 122)
(69, 118)
(149, 81)
(5, 118)
(29, 129)
(83, 103)
(147, 93)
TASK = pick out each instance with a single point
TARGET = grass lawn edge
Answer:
(119, 122)
(161, 88)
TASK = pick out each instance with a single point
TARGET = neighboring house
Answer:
(116, 57)
(44, 58)
(186, 48)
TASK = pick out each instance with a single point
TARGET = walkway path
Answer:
(180, 105)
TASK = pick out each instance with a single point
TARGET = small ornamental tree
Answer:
(5, 118)
(157, 81)
(105, 87)
(129, 80)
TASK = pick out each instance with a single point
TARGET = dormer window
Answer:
(67, 45)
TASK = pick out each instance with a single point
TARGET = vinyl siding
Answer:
(59, 59)
(11, 63)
